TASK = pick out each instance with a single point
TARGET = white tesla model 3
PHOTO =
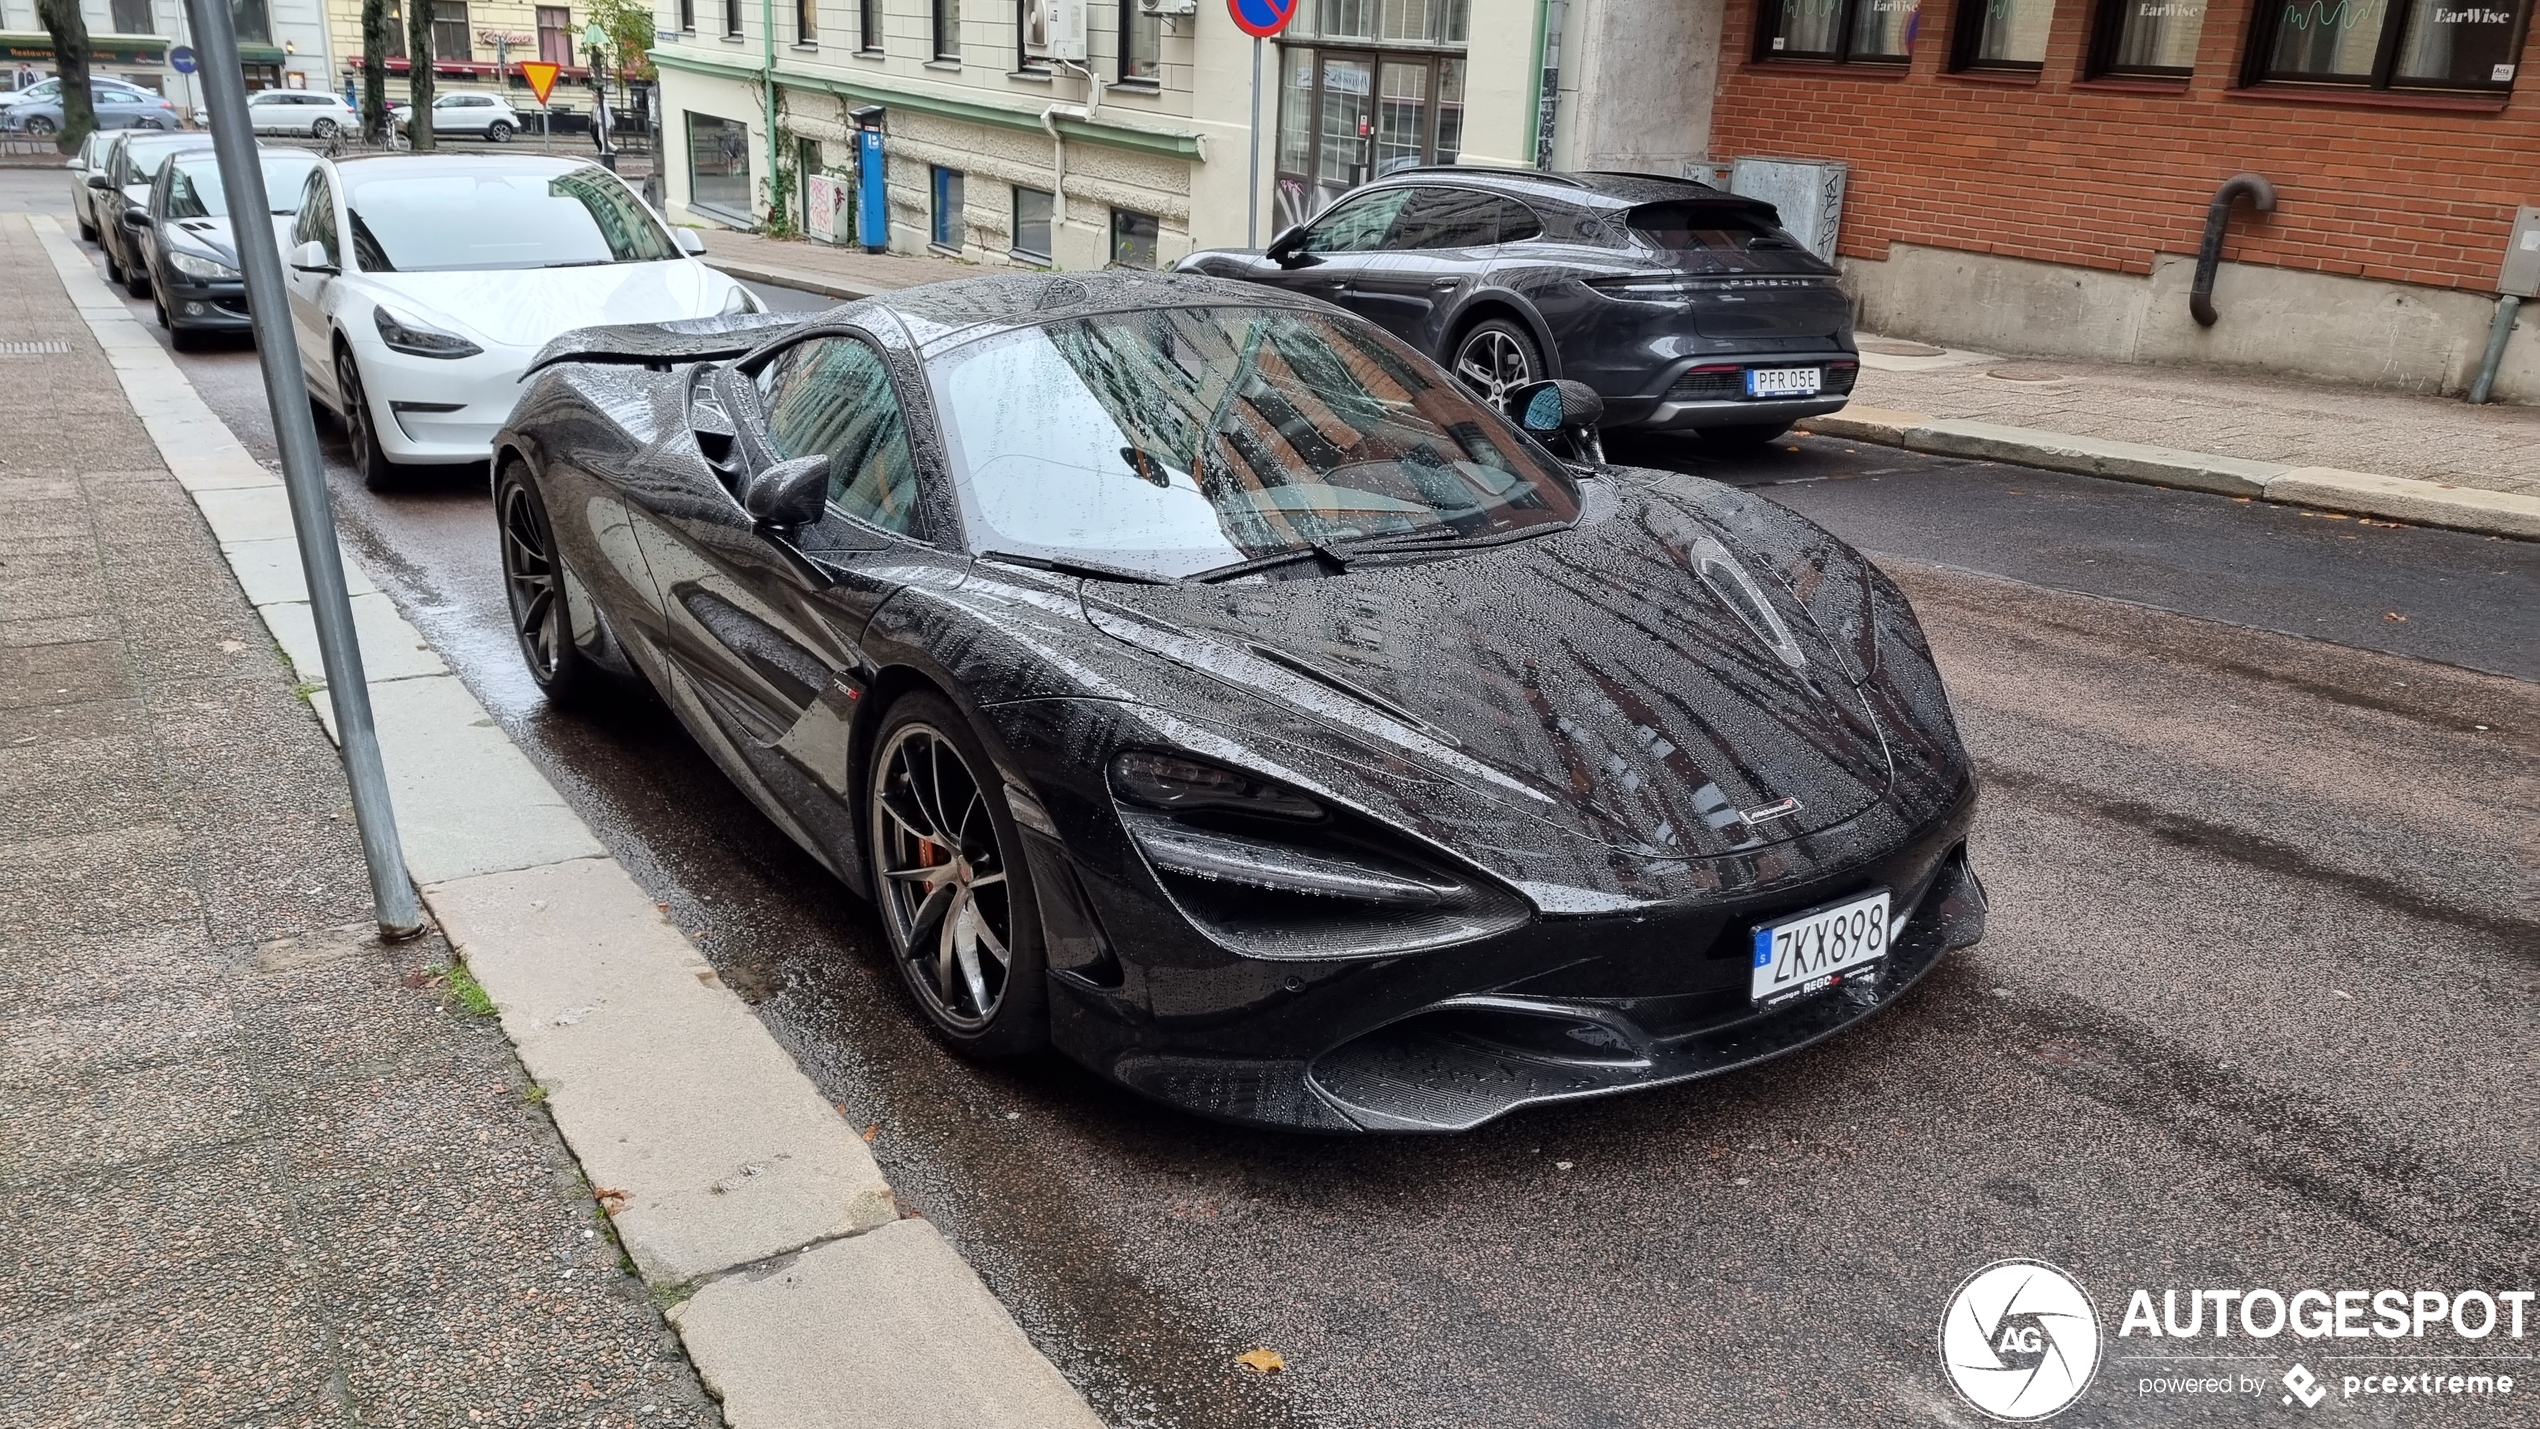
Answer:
(421, 285)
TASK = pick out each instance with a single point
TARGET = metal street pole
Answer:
(1252, 162)
(303, 473)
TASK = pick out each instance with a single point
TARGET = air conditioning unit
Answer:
(1168, 7)
(1054, 30)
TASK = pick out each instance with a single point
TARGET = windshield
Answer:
(1184, 440)
(145, 160)
(435, 223)
(1694, 233)
(194, 190)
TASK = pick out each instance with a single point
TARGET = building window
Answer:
(1837, 31)
(687, 17)
(806, 22)
(732, 19)
(395, 20)
(869, 26)
(2389, 44)
(1346, 117)
(944, 229)
(131, 17)
(555, 34)
(254, 23)
(1141, 45)
(719, 165)
(451, 38)
(948, 30)
(2147, 37)
(1032, 211)
(2006, 34)
(1132, 239)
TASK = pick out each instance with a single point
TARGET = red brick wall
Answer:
(2106, 177)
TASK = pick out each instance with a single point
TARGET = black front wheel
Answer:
(533, 581)
(955, 892)
(361, 426)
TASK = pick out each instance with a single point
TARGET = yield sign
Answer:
(541, 77)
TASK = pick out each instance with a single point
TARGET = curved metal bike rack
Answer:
(2261, 196)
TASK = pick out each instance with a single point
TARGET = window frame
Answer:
(734, 24)
(687, 17)
(946, 17)
(1016, 236)
(1294, 191)
(1155, 241)
(2107, 32)
(462, 26)
(936, 186)
(1130, 16)
(927, 519)
(1966, 33)
(1768, 15)
(868, 27)
(2266, 30)
(806, 24)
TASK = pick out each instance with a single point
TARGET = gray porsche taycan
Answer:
(1204, 683)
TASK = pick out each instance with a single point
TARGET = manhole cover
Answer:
(33, 349)
(1899, 347)
(2027, 372)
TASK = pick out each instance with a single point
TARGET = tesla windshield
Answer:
(194, 190)
(437, 223)
(1184, 441)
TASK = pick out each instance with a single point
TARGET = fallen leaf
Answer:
(1262, 1361)
(232, 647)
(873, 1131)
(611, 1201)
(2394, 615)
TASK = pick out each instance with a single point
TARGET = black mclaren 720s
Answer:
(1204, 683)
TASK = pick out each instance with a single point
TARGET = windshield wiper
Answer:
(581, 263)
(1343, 554)
(1091, 570)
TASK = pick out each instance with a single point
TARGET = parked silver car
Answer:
(117, 106)
(83, 198)
(314, 112)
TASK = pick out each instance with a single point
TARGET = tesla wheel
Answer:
(1496, 357)
(323, 129)
(533, 580)
(361, 426)
(1747, 437)
(955, 892)
(499, 132)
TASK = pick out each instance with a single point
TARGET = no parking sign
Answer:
(1261, 18)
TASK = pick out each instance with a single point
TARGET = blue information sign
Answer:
(1261, 18)
(181, 59)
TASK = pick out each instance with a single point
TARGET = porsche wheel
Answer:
(360, 426)
(533, 581)
(955, 892)
(1495, 358)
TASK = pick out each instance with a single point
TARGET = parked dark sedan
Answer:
(1684, 307)
(188, 250)
(122, 184)
(1203, 682)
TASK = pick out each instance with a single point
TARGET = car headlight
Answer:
(1269, 872)
(417, 338)
(209, 270)
(741, 301)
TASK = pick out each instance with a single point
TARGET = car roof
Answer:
(372, 166)
(940, 315)
(164, 141)
(1598, 189)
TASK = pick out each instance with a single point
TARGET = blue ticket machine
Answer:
(872, 197)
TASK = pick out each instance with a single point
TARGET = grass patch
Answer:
(535, 1094)
(306, 689)
(470, 996)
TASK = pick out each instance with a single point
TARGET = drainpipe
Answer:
(2261, 195)
(1058, 142)
(2498, 334)
(767, 26)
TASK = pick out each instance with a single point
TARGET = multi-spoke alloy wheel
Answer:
(947, 874)
(1494, 360)
(533, 582)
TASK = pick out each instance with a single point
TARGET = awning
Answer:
(35, 46)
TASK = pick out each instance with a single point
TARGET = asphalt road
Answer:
(2255, 1008)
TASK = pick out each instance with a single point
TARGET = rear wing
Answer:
(666, 345)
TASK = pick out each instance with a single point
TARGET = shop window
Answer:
(944, 229)
(2389, 44)
(1033, 209)
(1132, 239)
(719, 166)
(1141, 45)
(948, 30)
(1349, 116)
(451, 38)
(1837, 31)
(2147, 37)
(2001, 34)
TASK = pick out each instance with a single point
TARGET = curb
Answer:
(792, 278)
(741, 1195)
(2422, 503)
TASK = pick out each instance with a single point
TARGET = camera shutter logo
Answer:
(2020, 1340)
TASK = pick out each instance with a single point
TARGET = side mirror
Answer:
(690, 241)
(1562, 415)
(310, 257)
(790, 494)
(135, 219)
(100, 181)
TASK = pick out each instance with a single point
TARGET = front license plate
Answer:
(1784, 381)
(1819, 949)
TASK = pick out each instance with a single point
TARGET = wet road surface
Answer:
(2254, 1009)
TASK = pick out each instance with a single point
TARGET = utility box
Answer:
(1807, 192)
(1054, 30)
(2521, 277)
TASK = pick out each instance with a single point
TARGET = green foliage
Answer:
(466, 991)
(630, 26)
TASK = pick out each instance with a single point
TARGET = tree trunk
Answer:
(375, 70)
(69, 30)
(419, 73)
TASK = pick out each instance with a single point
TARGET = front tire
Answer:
(323, 129)
(361, 426)
(1495, 357)
(498, 132)
(533, 582)
(953, 886)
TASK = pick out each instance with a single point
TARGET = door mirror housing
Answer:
(690, 241)
(310, 257)
(790, 494)
(1563, 415)
(100, 180)
(135, 219)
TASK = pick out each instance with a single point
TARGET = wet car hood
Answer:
(1602, 679)
(214, 236)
